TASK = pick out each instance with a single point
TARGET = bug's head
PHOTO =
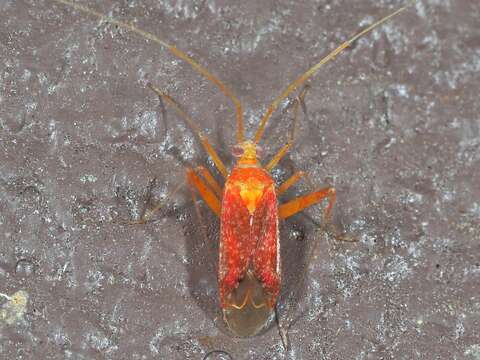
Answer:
(247, 153)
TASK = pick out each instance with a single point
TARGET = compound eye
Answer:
(260, 152)
(237, 151)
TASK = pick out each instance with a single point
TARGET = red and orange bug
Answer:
(249, 274)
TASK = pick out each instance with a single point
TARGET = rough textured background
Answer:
(393, 123)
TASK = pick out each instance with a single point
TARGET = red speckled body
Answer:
(249, 233)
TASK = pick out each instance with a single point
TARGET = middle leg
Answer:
(208, 188)
(206, 193)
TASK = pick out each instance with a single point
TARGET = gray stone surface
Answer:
(393, 124)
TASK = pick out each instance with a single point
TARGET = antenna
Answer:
(178, 53)
(310, 72)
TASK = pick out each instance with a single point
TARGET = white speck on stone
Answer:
(148, 123)
(473, 352)
(94, 280)
(88, 178)
(99, 342)
(31, 106)
(26, 75)
(402, 90)
(459, 328)
(413, 198)
(420, 9)
(15, 307)
(397, 269)
(52, 138)
(42, 78)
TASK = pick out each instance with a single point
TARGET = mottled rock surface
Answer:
(393, 124)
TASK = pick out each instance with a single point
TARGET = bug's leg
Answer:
(207, 194)
(148, 213)
(282, 330)
(289, 209)
(208, 177)
(292, 180)
(296, 205)
(198, 213)
(206, 190)
(299, 100)
(196, 184)
(203, 139)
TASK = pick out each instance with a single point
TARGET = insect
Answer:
(249, 273)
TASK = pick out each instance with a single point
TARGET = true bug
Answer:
(249, 274)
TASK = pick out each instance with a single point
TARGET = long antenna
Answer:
(178, 53)
(305, 76)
